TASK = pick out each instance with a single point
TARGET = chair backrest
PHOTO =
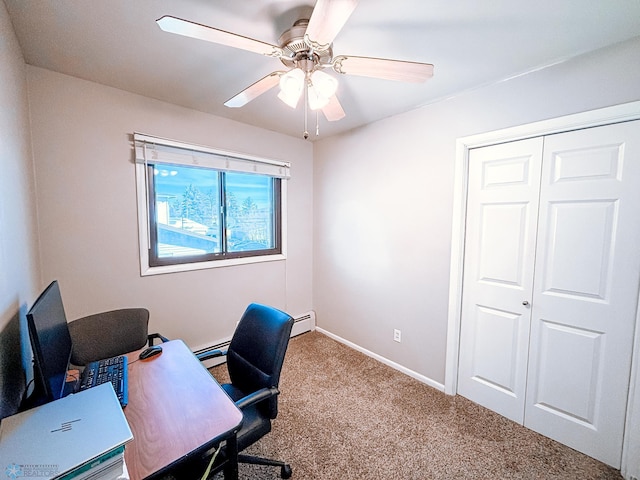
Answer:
(256, 352)
(108, 334)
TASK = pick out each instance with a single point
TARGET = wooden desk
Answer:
(176, 410)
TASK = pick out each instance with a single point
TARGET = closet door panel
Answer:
(569, 372)
(585, 289)
(498, 275)
(578, 249)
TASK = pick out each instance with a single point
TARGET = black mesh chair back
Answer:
(109, 334)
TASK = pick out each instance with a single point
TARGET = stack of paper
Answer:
(107, 467)
(80, 437)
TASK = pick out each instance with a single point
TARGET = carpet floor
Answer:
(343, 415)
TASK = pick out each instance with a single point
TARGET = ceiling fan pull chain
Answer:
(305, 135)
(317, 123)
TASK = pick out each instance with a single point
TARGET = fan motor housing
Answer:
(296, 49)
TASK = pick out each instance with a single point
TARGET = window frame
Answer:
(146, 230)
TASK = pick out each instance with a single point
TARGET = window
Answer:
(200, 208)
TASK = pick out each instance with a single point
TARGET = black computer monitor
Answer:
(51, 344)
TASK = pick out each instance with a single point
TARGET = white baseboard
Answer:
(386, 361)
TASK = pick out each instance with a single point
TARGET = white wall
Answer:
(87, 210)
(18, 242)
(383, 203)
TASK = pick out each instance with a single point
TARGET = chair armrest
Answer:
(256, 397)
(209, 354)
(152, 336)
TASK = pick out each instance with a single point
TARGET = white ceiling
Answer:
(470, 42)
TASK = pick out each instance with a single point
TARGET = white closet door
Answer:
(502, 210)
(586, 289)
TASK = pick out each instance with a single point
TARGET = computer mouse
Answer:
(150, 352)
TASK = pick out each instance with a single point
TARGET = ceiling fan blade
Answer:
(382, 68)
(327, 19)
(195, 30)
(255, 90)
(333, 110)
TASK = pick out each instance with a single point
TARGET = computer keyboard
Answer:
(112, 370)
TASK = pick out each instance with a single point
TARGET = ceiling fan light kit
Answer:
(291, 85)
(324, 84)
(321, 87)
(316, 101)
(305, 49)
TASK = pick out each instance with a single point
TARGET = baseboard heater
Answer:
(302, 324)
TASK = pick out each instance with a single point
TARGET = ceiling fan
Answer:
(306, 49)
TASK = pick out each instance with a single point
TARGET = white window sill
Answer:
(146, 270)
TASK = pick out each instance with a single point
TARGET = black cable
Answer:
(26, 390)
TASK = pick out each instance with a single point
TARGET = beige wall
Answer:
(18, 241)
(87, 210)
(376, 203)
(383, 203)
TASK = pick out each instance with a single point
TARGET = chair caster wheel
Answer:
(285, 471)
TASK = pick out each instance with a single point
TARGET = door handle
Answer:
(525, 303)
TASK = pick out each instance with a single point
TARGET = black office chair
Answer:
(109, 334)
(254, 361)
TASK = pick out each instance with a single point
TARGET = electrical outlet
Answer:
(397, 335)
